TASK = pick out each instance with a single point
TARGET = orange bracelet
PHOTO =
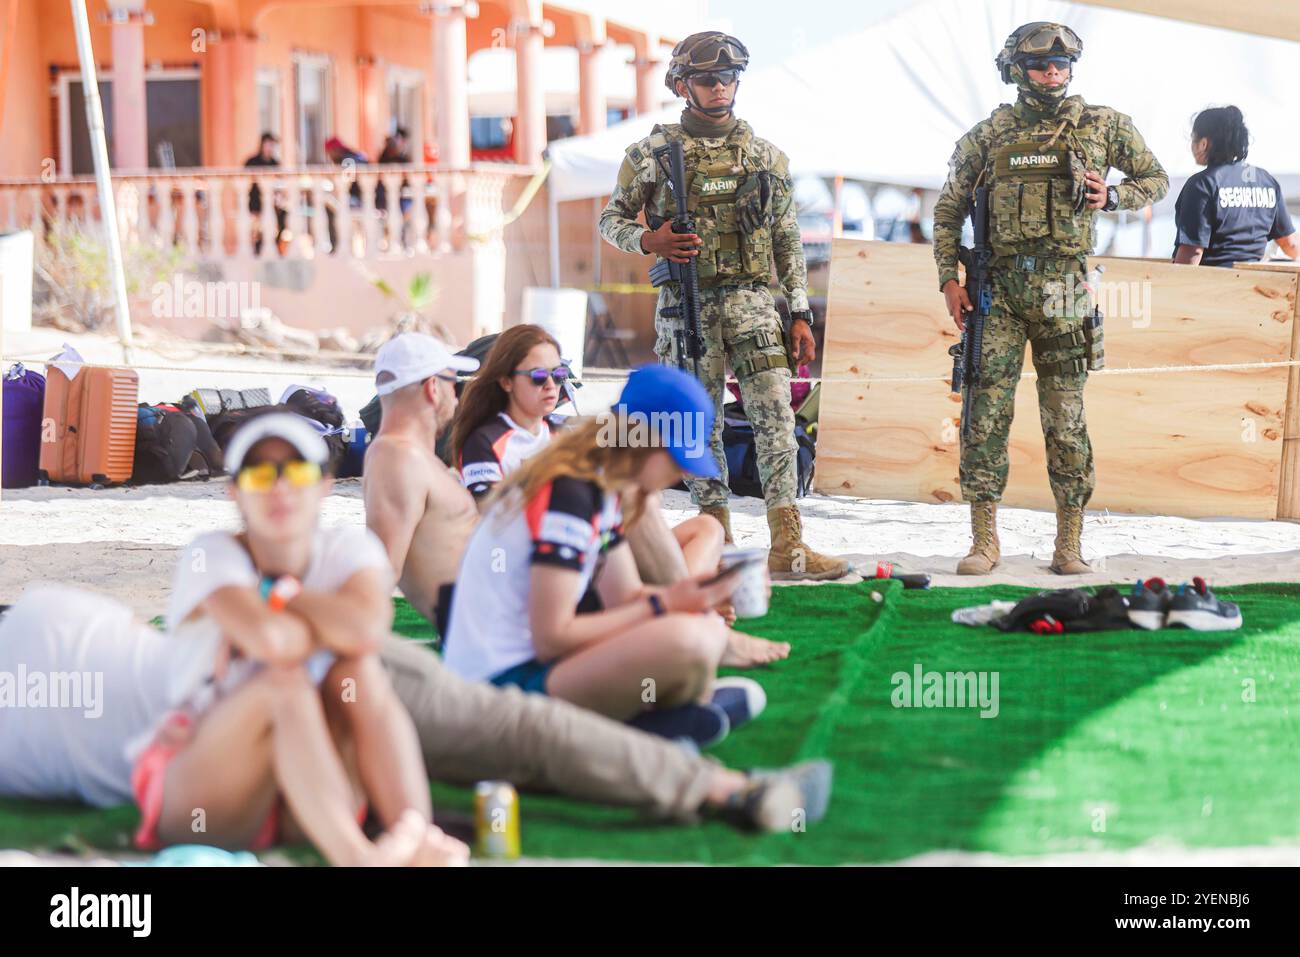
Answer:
(285, 590)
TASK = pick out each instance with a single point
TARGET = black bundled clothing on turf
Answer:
(1068, 610)
(1231, 211)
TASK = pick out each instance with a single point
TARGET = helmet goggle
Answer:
(713, 52)
(1051, 38)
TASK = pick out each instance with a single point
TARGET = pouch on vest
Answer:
(1094, 338)
(1022, 193)
(754, 202)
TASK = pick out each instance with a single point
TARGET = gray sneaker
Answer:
(1196, 607)
(776, 799)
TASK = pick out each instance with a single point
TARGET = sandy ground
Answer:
(123, 541)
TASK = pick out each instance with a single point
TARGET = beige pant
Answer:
(474, 731)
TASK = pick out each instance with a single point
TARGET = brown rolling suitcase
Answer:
(88, 436)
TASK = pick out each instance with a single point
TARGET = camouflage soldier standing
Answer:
(739, 191)
(1044, 160)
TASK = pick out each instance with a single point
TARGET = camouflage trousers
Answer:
(1026, 306)
(740, 323)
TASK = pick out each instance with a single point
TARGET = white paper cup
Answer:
(749, 594)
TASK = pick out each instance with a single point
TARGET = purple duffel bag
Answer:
(24, 404)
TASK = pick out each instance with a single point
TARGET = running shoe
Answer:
(742, 698)
(1196, 607)
(703, 724)
(782, 799)
(1148, 604)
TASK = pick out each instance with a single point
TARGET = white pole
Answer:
(103, 181)
(553, 233)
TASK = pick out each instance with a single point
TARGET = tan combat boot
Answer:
(985, 551)
(723, 515)
(1068, 557)
(790, 559)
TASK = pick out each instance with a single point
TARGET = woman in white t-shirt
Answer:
(650, 655)
(290, 616)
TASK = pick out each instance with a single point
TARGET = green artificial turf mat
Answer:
(1101, 741)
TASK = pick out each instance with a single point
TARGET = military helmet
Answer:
(1038, 39)
(704, 52)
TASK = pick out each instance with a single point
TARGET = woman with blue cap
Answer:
(651, 655)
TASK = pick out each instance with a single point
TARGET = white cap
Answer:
(414, 357)
(295, 429)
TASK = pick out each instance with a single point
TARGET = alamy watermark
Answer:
(1072, 298)
(637, 430)
(946, 689)
(191, 299)
(72, 690)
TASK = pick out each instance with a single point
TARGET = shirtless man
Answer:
(417, 507)
(471, 731)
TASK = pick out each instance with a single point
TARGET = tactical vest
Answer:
(1033, 179)
(714, 174)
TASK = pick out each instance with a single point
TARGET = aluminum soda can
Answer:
(496, 820)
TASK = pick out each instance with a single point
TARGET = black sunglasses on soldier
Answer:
(1062, 63)
(706, 80)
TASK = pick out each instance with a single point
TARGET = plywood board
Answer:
(1199, 434)
(886, 316)
(1194, 444)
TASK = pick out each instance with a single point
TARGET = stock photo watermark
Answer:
(191, 299)
(130, 911)
(637, 430)
(62, 690)
(1074, 298)
(946, 689)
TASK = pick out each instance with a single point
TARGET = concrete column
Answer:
(230, 91)
(530, 115)
(450, 58)
(372, 95)
(130, 120)
(592, 108)
(649, 73)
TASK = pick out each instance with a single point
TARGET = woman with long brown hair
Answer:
(504, 413)
(651, 654)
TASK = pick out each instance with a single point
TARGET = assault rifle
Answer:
(967, 358)
(688, 340)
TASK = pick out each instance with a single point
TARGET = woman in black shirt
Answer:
(1228, 212)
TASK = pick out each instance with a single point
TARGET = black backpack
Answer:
(742, 456)
(226, 424)
(171, 445)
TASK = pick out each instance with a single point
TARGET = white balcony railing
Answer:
(305, 213)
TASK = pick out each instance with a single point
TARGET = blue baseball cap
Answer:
(678, 410)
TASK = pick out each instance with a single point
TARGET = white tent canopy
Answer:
(887, 104)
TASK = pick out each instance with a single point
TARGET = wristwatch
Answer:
(805, 315)
(1112, 199)
(657, 605)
